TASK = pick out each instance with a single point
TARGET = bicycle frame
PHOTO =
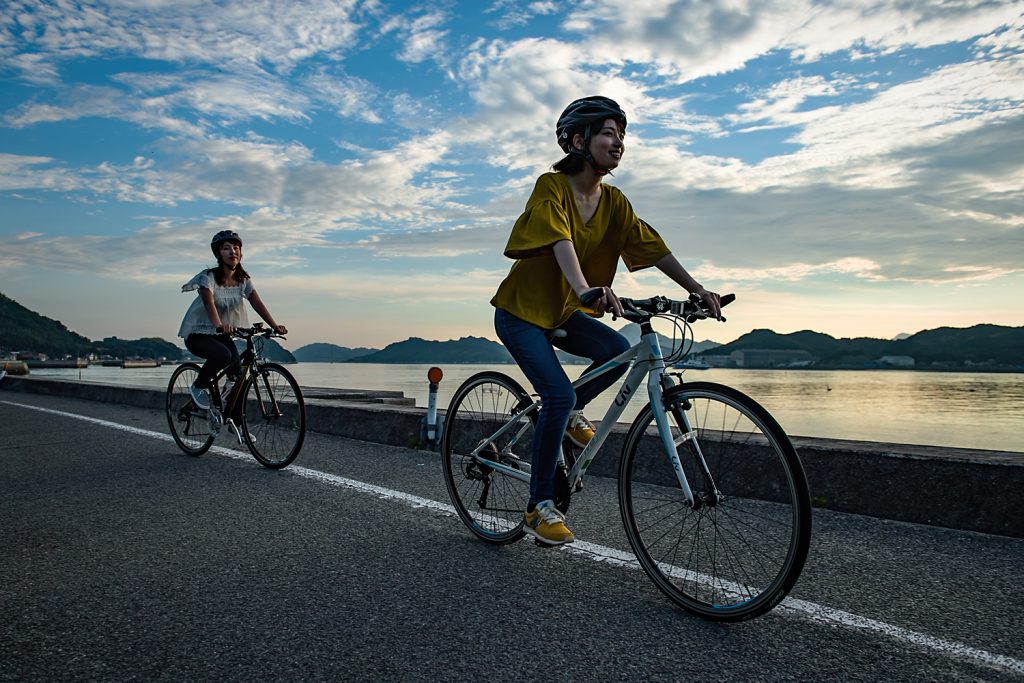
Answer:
(644, 358)
(248, 364)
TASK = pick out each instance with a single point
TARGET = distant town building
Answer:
(897, 361)
(771, 358)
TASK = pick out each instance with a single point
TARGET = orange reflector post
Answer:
(434, 375)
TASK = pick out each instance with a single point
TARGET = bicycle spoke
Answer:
(739, 549)
(479, 409)
(273, 416)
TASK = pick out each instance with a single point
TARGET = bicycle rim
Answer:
(189, 425)
(273, 417)
(489, 502)
(732, 557)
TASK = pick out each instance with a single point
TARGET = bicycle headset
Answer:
(579, 116)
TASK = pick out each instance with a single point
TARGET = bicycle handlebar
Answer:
(692, 309)
(256, 330)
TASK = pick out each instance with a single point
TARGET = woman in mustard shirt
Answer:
(567, 244)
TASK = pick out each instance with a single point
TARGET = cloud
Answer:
(690, 39)
(422, 38)
(350, 97)
(247, 32)
(512, 13)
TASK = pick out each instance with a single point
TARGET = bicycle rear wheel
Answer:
(189, 425)
(736, 553)
(489, 501)
(273, 416)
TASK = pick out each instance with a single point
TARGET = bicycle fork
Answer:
(688, 441)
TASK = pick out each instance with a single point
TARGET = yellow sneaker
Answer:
(547, 524)
(580, 430)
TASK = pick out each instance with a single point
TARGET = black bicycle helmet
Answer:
(578, 118)
(224, 236)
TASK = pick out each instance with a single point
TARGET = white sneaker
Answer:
(201, 397)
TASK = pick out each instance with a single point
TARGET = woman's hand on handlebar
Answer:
(225, 329)
(601, 300)
(280, 329)
(711, 300)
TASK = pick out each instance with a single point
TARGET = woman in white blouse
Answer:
(218, 310)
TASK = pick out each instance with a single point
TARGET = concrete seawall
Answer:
(976, 490)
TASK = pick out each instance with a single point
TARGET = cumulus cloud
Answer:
(189, 31)
(688, 39)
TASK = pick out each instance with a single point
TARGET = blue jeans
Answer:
(532, 350)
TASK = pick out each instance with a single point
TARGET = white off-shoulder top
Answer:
(229, 301)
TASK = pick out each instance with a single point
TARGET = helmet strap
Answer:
(589, 158)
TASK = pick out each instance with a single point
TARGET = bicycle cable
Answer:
(684, 330)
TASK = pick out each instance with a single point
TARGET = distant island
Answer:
(464, 350)
(984, 348)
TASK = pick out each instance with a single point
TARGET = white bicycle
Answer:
(712, 493)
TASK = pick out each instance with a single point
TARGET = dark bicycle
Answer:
(261, 404)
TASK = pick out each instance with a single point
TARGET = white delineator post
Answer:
(434, 376)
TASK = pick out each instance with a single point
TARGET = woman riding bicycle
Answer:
(218, 310)
(567, 244)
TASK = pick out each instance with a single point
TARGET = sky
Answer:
(849, 167)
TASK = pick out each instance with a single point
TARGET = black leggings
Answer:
(219, 352)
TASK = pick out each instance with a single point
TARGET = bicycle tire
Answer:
(273, 416)
(490, 503)
(729, 559)
(190, 426)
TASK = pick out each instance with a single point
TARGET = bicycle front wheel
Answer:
(738, 550)
(491, 501)
(189, 425)
(273, 416)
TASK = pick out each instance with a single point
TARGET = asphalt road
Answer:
(123, 559)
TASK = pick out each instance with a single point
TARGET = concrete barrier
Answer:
(969, 489)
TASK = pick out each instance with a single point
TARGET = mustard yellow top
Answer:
(535, 290)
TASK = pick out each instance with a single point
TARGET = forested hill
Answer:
(25, 330)
(322, 352)
(416, 350)
(995, 345)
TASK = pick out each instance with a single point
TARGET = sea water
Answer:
(957, 409)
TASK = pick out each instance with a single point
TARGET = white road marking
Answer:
(599, 553)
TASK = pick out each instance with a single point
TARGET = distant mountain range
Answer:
(464, 350)
(981, 347)
(978, 347)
